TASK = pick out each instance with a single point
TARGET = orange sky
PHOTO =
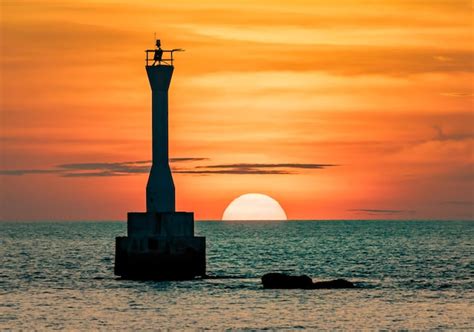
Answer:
(382, 89)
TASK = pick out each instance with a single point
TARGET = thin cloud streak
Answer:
(101, 169)
(285, 165)
(442, 136)
(143, 166)
(462, 203)
(379, 211)
(255, 168)
(97, 169)
(241, 171)
(185, 159)
(20, 172)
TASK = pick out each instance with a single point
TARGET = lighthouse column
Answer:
(160, 191)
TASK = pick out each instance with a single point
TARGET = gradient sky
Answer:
(337, 109)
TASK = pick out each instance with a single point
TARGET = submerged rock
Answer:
(333, 284)
(284, 281)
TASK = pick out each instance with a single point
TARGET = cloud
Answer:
(19, 172)
(459, 203)
(97, 169)
(143, 166)
(239, 170)
(289, 165)
(378, 211)
(105, 169)
(308, 35)
(442, 58)
(457, 94)
(185, 159)
(442, 136)
(95, 174)
(87, 169)
(252, 168)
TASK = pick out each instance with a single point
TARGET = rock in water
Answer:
(284, 281)
(333, 284)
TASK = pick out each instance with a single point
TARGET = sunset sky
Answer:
(337, 109)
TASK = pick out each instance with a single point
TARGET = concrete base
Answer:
(160, 246)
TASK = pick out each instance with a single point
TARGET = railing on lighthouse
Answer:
(159, 57)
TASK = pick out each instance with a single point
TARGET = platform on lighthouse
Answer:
(160, 246)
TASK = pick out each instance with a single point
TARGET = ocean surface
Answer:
(412, 274)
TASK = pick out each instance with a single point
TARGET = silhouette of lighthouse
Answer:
(160, 243)
(160, 192)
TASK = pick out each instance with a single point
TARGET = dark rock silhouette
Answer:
(284, 281)
(333, 284)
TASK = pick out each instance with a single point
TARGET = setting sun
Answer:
(254, 207)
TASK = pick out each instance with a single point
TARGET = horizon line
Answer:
(230, 221)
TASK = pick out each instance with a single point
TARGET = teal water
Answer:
(412, 274)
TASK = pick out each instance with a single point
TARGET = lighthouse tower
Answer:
(160, 243)
(160, 194)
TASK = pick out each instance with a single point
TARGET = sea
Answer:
(410, 275)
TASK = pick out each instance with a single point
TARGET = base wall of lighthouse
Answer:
(160, 246)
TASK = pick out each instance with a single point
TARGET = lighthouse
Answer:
(160, 193)
(160, 243)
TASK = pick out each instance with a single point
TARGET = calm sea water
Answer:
(413, 275)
